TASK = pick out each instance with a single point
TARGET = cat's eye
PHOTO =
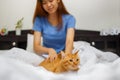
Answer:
(77, 59)
(70, 60)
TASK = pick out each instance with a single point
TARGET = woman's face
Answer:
(50, 6)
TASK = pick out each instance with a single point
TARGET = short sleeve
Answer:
(37, 26)
(71, 22)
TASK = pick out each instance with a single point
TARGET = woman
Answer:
(55, 25)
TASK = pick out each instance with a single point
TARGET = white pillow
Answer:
(30, 43)
(30, 38)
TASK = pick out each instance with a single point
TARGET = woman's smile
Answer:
(50, 8)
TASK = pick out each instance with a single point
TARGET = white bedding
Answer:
(18, 64)
(2, 51)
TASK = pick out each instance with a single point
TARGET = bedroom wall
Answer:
(95, 14)
(13, 10)
(89, 14)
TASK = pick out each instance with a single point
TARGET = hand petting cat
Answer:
(62, 54)
(52, 55)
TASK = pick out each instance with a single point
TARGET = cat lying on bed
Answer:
(69, 63)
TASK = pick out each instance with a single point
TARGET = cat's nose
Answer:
(75, 63)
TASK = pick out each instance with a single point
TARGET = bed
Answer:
(98, 62)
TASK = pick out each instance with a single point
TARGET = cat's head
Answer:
(71, 61)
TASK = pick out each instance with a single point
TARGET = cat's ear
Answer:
(76, 53)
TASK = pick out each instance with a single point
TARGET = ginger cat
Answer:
(69, 63)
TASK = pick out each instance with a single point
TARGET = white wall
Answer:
(13, 10)
(95, 14)
(90, 14)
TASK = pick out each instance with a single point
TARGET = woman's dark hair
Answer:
(39, 11)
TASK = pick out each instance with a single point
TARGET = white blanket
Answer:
(18, 64)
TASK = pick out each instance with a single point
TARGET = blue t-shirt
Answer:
(52, 37)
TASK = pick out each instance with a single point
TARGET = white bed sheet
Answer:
(3, 51)
(18, 64)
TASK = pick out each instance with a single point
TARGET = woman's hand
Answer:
(62, 54)
(52, 54)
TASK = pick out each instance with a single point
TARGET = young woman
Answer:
(55, 25)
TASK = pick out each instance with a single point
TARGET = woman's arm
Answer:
(69, 40)
(38, 48)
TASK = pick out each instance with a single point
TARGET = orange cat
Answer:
(69, 63)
